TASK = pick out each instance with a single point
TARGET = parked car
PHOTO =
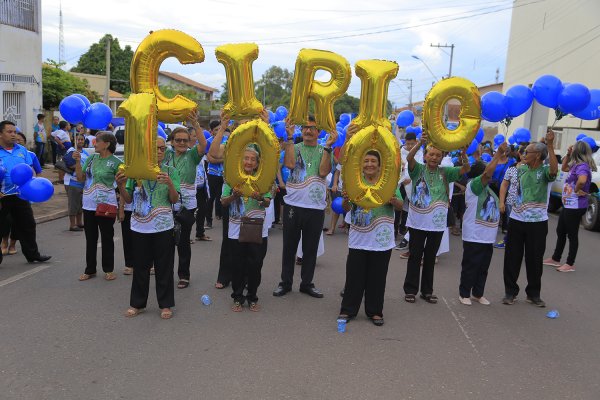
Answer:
(591, 219)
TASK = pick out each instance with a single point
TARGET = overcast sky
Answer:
(381, 29)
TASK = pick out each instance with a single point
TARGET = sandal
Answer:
(128, 271)
(409, 298)
(237, 306)
(377, 321)
(204, 238)
(85, 277)
(12, 251)
(219, 285)
(134, 312)
(110, 276)
(254, 306)
(345, 317)
(183, 283)
(166, 313)
(430, 298)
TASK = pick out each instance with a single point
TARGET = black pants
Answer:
(475, 264)
(184, 249)
(307, 222)
(278, 203)
(366, 273)
(226, 257)
(202, 200)
(527, 238)
(92, 225)
(247, 267)
(39, 152)
(54, 148)
(23, 224)
(423, 245)
(215, 184)
(158, 250)
(127, 244)
(400, 224)
(568, 225)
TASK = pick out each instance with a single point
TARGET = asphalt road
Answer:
(65, 339)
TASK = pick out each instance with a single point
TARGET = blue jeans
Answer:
(39, 151)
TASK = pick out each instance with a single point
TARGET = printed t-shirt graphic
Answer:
(244, 207)
(482, 214)
(100, 181)
(305, 188)
(533, 191)
(186, 164)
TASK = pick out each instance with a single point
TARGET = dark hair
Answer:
(4, 123)
(375, 154)
(214, 124)
(93, 132)
(23, 136)
(40, 117)
(311, 118)
(63, 124)
(410, 136)
(108, 137)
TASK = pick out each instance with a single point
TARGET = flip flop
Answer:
(183, 283)
(166, 313)
(85, 277)
(133, 312)
(204, 238)
(110, 276)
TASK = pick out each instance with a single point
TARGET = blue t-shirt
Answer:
(9, 159)
(500, 170)
(217, 169)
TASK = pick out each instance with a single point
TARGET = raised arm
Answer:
(325, 166)
(491, 167)
(289, 155)
(193, 120)
(216, 151)
(351, 130)
(410, 157)
(566, 159)
(552, 160)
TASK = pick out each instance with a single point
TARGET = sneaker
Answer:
(405, 255)
(536, 301)
(402, 245)
(481, 300)
(551, 262)
(499, 245)
(509, 300)
(464, 300)
(566, 268)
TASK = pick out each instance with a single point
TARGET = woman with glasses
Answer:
(185, 160)
(152, 237)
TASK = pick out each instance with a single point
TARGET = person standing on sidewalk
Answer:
(528, 222)
(74, 186)
(579, 164)
(40, 137)
(305, 203)
(12, 154)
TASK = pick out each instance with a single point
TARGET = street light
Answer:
(426, 66)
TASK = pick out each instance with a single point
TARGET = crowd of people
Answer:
(437, 195)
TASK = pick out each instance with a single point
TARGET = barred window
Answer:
(19, 13)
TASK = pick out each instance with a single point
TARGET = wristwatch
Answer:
(327, 149)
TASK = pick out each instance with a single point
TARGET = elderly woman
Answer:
(370, 243)
(185, 160)
(427, 216)
(248, 257)
(579, 164)
(152, 234)
(528, 222)
(98, 172)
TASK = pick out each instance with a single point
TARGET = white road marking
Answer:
(22, 275)
(464, 332)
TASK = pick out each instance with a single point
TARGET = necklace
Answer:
(309, 156)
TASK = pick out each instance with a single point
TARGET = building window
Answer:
(19, 13)
(13, 107)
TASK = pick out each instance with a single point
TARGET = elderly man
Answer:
(305, 202)
(12, 154)
(528, 222)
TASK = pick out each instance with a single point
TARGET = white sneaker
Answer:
(481, 300)
(464, 300)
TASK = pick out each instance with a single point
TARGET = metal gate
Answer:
(13, 106)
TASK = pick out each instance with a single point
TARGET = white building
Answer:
(560, 38)
(21, 62)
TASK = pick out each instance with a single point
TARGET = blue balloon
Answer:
(322, 134)
(84, 99)
(580, 136)
(37, 190)
(573, 98)
(418, 129)
(518, 100)
(97, 116)
(493, 106)
(162, 124)
(285, 174)
(486, 157)
(522, 135)
(272, 117)
(281, 112)
(345, 119)
(471, 160)
(336, 205)
(512, 140)
(20, 174)
(591, 142)
(592, 111)
(499, 139)
(73, 109)
(454, 160)
(480, 134)
(206, 134)
(279, 128)
(405, 118)
(546, 90)
(410, 129)
(339, 142)
(472, 147)
(161, 132)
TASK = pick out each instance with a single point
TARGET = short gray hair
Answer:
(541, 148)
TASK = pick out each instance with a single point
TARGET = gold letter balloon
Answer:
(237, 59)
(467, 93)
(324, 94)
(139, 111)
(375, 134)
(258, 132)
(148, 57)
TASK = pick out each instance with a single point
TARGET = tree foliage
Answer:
(94, 62)
(58, 84)
(204, 106)
(274, 88)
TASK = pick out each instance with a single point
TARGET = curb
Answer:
(51, 217)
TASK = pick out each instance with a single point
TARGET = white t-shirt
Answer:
(62, 135)
(480, 221)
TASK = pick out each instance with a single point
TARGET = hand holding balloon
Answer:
(502, 150)
(121, 179)
(550, 138)
(331, 139)
(76, 155)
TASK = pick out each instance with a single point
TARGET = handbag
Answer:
(251, 230)
(62, 166)
(105, 210)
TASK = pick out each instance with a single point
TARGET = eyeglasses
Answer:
(530, 151)
(161, 148)
(309, 127)
(181, 140)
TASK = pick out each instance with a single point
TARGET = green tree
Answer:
(204, 105)
(94, 62)
(274, 88)
(58, 84)
(345, 104)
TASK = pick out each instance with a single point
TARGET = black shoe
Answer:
(280, 291)
(536, 301)
(509, 300)
(40, 258)
(313, 292)
(377, 322)
(402, 245)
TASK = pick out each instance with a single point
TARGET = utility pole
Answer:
(440, 46)
(107, 87)
(61, 38)
(410, 87)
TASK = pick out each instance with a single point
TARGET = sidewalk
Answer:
(56, 207)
